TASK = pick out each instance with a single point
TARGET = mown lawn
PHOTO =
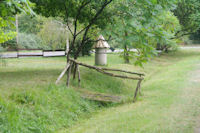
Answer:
(31, 102)
(171, 101)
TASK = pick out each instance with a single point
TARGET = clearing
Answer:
(31, 102)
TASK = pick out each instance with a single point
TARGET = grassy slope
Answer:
(171, 101)
(30, 102)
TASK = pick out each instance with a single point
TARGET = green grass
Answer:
(171, 101)
(30, 102)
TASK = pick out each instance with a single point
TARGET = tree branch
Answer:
(95, 17)
(67, 16)
(78, 14)
(75, 25)
(89, 25)
(184, 34)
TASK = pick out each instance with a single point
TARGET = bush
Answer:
(26, 41)
(53, 35)
(30, 41)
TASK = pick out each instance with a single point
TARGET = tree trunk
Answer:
(75, 70)
(126, 55)
(158, 46)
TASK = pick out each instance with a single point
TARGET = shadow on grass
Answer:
(28, 78)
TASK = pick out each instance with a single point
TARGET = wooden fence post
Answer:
(69, 73)
(62, 74)
(136, 91)
(79, 76)
(75, 70)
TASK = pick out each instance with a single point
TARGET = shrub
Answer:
(29, 41)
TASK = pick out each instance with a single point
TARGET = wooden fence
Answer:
(32, 53)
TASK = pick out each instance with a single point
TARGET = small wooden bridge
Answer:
(100, 97)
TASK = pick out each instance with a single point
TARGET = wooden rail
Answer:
(73, 64)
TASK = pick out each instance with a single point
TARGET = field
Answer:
(31, 102)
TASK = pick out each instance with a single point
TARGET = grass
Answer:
(170, 104)
(30, 102)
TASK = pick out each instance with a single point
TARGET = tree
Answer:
(138, 24)
(30, 24)
(82, 14)
(53, 34)
(8, 9)
(135, 23)
(169, 25)
(5, 34)
(188, 13)
(28, 28)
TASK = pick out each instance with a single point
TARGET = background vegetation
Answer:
(145, 25)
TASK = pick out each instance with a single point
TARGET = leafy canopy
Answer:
(188, 13)
(8, 9)
(139, 24)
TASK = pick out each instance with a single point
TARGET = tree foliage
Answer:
(188, 13)
(84, 15)
(30, 24)
(30, 41)
(8, 9)
(53, 34)
(6, 34)
(139, 24)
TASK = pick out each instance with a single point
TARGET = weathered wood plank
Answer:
(101, 97)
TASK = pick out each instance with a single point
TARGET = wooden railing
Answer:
(73, 64)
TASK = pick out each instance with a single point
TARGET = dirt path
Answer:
(197, 80)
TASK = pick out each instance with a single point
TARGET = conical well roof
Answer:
(101, 43)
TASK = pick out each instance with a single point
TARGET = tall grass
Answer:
(45, 110)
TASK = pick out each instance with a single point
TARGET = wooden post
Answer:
(137, 88)
(67, 46)
(75, 70)
(140, 87)
(68, 64)
(68, 74)
(79, 76)
(62, 74)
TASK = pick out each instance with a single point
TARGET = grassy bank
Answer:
(171, 101)
(30, 102)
